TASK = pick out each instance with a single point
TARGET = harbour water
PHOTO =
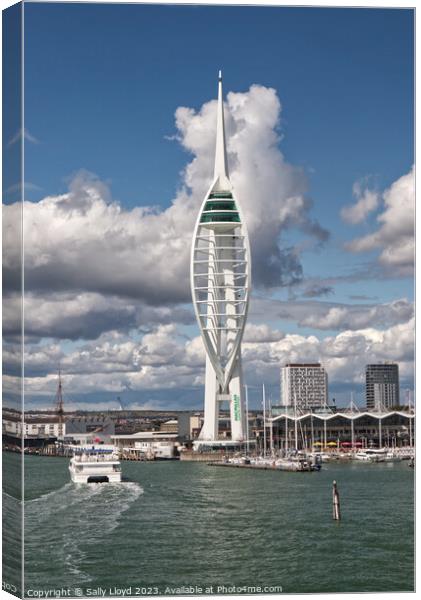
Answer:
(173, 525)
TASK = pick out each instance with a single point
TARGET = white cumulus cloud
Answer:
(359, 316)
(395, 236)
(366, 201)
(165, 359)
(83, 241)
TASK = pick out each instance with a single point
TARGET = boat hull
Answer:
(95, 477)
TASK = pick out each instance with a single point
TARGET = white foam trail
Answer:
(74, 516)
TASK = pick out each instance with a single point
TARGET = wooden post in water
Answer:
(336, 503)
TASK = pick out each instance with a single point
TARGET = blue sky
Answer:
(102, 84)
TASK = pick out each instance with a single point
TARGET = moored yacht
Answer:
(95, 465)
(392, 457)
(371, 455)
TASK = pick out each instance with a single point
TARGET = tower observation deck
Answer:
(220, 273)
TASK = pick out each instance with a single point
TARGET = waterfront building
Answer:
(220, 283)
(44, 429)
(304, 385)
(196, 422)
(381, 386)
(181, 425)
(344, 429)
(170, 426)
(147, 444)
(89, 429)
(34, 430)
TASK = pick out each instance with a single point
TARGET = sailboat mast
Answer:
(264, 421)
(312, 431)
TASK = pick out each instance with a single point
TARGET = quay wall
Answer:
(202, 456)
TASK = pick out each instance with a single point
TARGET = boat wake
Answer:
(66, 522)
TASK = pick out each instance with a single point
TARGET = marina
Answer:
(291, 466)
(298, 461)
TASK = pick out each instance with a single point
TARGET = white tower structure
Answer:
(220, 274)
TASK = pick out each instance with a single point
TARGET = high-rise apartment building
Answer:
(304, 385)
(382, 386)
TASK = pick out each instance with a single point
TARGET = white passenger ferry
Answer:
(95, 464)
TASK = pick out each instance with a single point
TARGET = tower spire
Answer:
(221, 166)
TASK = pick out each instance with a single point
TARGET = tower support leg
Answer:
(237, 411)
(210, 427)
